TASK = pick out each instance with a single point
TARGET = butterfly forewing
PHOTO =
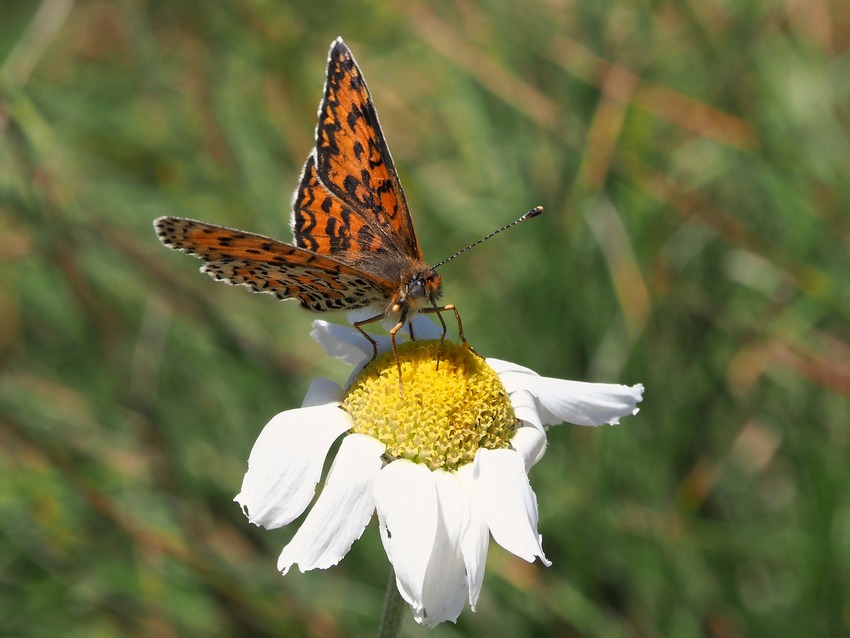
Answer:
(325, 224)
(263, 264)
(350, 194)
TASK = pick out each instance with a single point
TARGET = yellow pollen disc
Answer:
(445, 414)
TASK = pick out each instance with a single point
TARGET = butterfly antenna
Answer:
(534, 212)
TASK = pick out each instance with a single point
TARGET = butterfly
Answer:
(355, 245)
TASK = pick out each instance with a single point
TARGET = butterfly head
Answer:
(420, 289)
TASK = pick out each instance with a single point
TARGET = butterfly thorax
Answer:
(420, 287)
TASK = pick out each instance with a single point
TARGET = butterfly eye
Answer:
(416, 289)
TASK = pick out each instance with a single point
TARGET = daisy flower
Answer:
(445, 466)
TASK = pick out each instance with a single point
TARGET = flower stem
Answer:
(391, 616)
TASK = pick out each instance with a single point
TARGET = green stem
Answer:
(392, 616)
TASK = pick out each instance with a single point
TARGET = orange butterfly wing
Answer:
(263, 264)
(350, 203)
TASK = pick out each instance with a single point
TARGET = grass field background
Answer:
(694, 163)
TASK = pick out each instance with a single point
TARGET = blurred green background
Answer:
(693, 160)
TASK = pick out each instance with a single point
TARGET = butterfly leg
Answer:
(451, 307)
(393, 332)
(374, 343)
(438, 310)
(443, 335)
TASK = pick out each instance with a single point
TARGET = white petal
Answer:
(509, 505)
(322, 392)
(342, 510)
(530, 443)
(424, 543)
(476, 538)
(530, 438)
(426, 328)
(445, 590)
(501, 366)
(423, 328)
(286, 463)
(348, 345)
(576, 402)
(406, 502)
(341, 342)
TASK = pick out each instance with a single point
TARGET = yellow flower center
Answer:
(445, 413)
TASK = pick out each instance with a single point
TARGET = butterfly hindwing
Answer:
(263, 264)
